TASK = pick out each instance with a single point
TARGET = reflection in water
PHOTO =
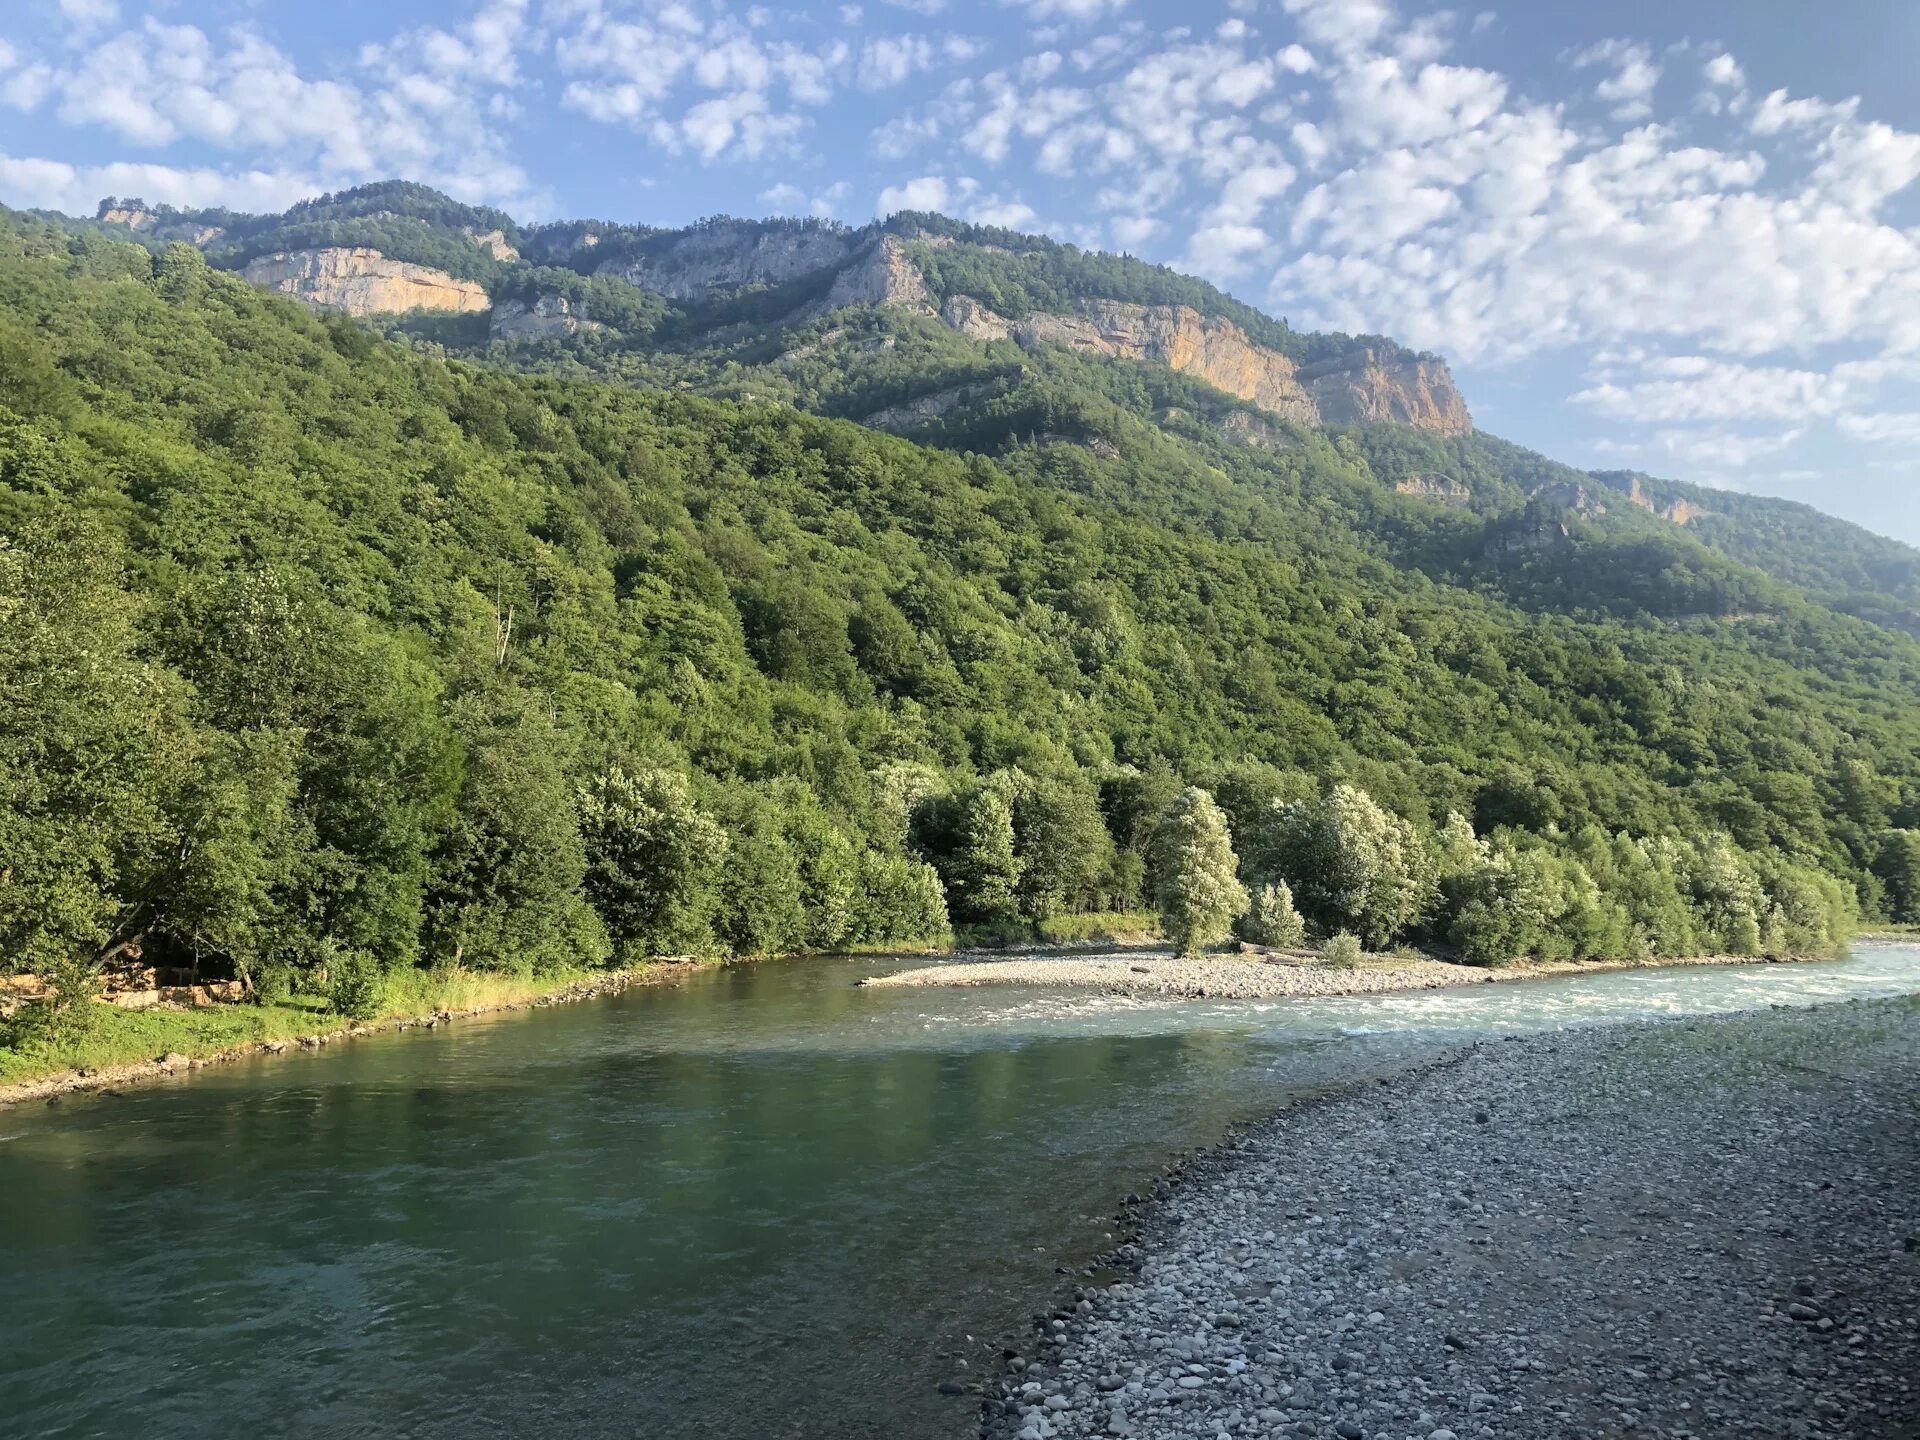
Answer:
(767, 1203)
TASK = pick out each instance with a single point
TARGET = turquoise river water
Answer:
(762, 1203)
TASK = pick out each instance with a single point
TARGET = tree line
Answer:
(323, 658)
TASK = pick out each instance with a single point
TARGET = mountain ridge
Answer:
(1332, 379)
(563, 295)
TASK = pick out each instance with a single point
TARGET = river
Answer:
(762, 1203)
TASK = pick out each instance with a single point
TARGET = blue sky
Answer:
(1681, 236)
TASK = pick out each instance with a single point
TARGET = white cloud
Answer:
(929, 192)
(789, 199)
(1068, 9)
(90, 14)
(1629, 89)
(423, 105)
(1345, 25)
(893, 59)
(1725, 71)
(1890, 428)
(35, 183)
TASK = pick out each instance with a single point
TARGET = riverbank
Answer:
(129, 1047)
(1692, 1228)
(1237, 977)
(126, 1047)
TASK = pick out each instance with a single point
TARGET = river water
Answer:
(763, 1203)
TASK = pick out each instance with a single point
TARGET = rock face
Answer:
(1569, 495)
(495, 243)
(723, 257)
(1370, 387)
(910, 414)
(140, 219)
(364, 282)
(972, 319)
(548, 317)
(1443, 488)
(1530, 534)
(884, 274)
(1678, 511)
(1244, 428)
(1217, 351)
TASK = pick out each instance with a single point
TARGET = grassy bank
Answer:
(1119, 927)
(115, 1040)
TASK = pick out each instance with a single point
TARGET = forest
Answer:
(324, 657)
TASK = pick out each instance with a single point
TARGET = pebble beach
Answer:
(1696, 1228)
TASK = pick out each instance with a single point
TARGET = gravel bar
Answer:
(1702, 1227)
(1233, 977)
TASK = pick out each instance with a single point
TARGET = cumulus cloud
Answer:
(420, 105)
(929, 192)
(1629, 86)
(1068, 9)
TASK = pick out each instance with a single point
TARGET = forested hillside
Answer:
(323, 654)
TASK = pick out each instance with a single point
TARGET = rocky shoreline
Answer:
(109, 1079)
(1236, 977)
(1694, 1228)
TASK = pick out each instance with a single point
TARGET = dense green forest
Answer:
(325, 656)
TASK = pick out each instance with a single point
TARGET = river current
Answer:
(761, 1203)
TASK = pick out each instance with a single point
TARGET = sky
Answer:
(1680, 236)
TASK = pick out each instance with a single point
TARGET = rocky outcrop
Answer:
(138, 218)
(1530, 534)
(1569, 495)
(1370, 387)
(134, 217)
(1214, 350)
(1443, 488)
(972, 319)
(1629, 486)
(1373, 386)
(727, 256)
(884, 274)
(1245, 428)
(548, 317)
(495, 243)
(364, 282)
(911, 414)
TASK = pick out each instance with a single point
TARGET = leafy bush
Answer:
(1271, 918)
(356, 989)
(1342, 951)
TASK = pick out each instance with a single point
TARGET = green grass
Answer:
(1114, 925)
(126, 1037)
(1101, 925)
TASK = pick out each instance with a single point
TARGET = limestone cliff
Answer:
(494, 242)
(1217, 351)
(911, 414)
(884, 274)
(1370, 387)
(547, 317)
(1435, 487)
(364, 282)
(727, 256)
(1629, 486)
(138, 218)
(1375, 387)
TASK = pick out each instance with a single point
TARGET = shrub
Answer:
(355, 985)
(1342, 951)
(1271, 918)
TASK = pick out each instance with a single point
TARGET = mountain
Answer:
(816, 314)
(327, 650)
